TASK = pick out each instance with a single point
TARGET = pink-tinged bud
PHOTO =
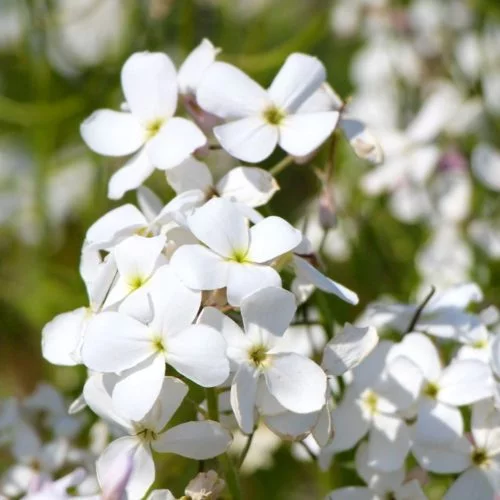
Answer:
(206, 485)
(204, 120)
(327, 212)
(452, 161)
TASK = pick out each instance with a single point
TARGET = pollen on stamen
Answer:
(258, 355)
(136, 282)
(273, 115)
(479, 457)
(158, 344)
(431, 390)
(153, 127)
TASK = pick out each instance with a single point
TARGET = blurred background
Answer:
(424, 75)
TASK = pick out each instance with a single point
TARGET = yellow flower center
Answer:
(135, 282)
(371, 401)
(258, 355)
(431, 390)
(274, 115)
(153, 127)
(479, 457)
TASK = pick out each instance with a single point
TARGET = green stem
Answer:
(281, 165)
(231, 475)
(246, 449)
(212, 404)
(419, 310)
(232, 480)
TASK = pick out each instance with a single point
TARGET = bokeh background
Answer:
(61, 59)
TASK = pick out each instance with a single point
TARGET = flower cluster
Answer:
(192, 293)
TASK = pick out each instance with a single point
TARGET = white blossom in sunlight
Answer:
(259, 119)
(197, 440)
(260, 364)
(236, 256)
(148, 128)
(159, 330)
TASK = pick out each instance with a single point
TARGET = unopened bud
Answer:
(327, 212)
(205, 486)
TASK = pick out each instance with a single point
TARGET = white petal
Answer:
(115, 342)
(173, 392)
(292, 426)
(352, 493)
(389, 443)
(485, 163)
(458, 296)
(381, 482)
(301, 134)
(363, 142)
(174, 143)
(231, 332)
(221, 227)
(137, 256)
(161, 495)
(420, 350)
(296, 382)
(243, 397)
(249, 185)
(149, 82)
(138, 388)
(268, 311)
(324, 430)
(149, 202)
(465, 382)
(249, 139)
(348, 349)
(61, 337)
(190, 174)
(114, 226)
(200, 268)
(131, 175)
(97, 393)
(227, 92)
(271, 238)
(443, 458)
(350, 426)
(485, 426)
(198, 353)
(299, 77)
(196, 440)
(471, 485)
(437, 422)
(175, 305)
(143, 470)
(179, 207)
(112, 133)
(245, 279)
(194, 66)
(308, 272)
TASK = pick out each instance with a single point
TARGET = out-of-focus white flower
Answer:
(260, 119)
(197, 440)
(478, 462)
(149, 129)
(236, 256)
(379, 485)
(440, 390)
(485, 163)
(138, 350)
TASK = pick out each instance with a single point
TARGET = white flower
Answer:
(260, 119)
(261, 365)
(348, 348)
(138, 350)
(379, 485)
(250, 186)
(196, 440)
(149, 129)
(57, 490)
(440, 390)
(236, 257)
(478, 462)
(485, 164)
(373, 403)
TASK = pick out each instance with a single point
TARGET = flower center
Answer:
(371, 401)
(274, 115)
(258, 355)
(479, 457)
(136, 282)
(239, 256)
(431, 390)
(158, 344)
(153, 127)
(480, 344)
(147, 435)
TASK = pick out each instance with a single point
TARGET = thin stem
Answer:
(281, 165)
(419, 310)
(212, 404)
(245, 450)
(232, 480)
